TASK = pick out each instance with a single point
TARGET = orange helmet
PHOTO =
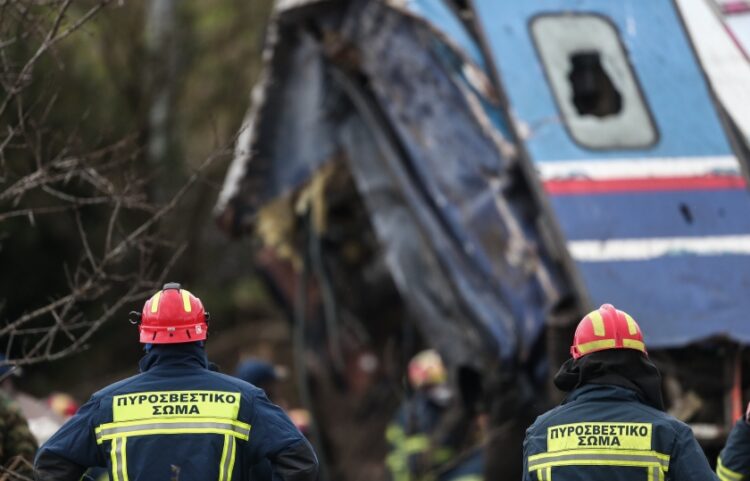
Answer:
(606, 328)
(173, 315)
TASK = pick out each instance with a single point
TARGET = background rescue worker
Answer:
(263, 375)
(423, 437)
(734, 459)
(177, 419)
(612, 426)
(17, 444)
(408, 435)
(43, 421)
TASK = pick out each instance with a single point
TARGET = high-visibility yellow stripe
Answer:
(595, 345)
(632, 326)
(113, 455)
(179, 420)
(124, 460)
(396, 462)
(186, 300)
(656, 463)
(152, 432)
(155, 302)
(417, 444)
(172, 426)
(633, 344)
(223, 461)
(394, 433)
(727, 474)
(595, 462)
(663, 458)
(232, 452)
(598, 323)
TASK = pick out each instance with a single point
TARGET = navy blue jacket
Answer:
(177, 420)
(604, 432)
(734, 459)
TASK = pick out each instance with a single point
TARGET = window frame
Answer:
(626, 56)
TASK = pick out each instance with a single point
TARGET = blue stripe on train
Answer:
(668, 296)
(653, 214)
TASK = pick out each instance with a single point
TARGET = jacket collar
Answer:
(605, 392)
(189, 354)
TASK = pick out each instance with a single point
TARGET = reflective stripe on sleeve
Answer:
(173, 426)
(726, 474)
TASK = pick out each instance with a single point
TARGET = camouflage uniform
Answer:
(15, 438)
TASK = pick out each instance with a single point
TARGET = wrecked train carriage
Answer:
(482, 170)
(373, 161)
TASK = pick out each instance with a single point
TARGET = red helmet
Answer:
(606, 328)
(173, 315)
(427, 369)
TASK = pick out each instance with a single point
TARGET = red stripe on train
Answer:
(612, 186)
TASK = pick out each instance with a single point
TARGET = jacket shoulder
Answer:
(114, 388)
(231, 382)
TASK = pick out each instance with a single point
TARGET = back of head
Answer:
(256, 372)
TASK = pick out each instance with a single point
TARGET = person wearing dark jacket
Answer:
(734, 459)
(177, 419)
(612, 425)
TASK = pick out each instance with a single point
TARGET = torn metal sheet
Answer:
(460, 229)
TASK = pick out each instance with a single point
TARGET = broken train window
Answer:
(593, 82)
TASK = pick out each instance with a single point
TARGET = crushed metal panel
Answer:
(458, 180)
(284, 138)
(454, 171)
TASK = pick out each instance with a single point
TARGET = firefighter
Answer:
(177, 419)
(17, 444)
(734, 459)
(263, 375)
(416, 453)
(612, 425)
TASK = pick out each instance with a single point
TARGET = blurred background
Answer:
(403, 206)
